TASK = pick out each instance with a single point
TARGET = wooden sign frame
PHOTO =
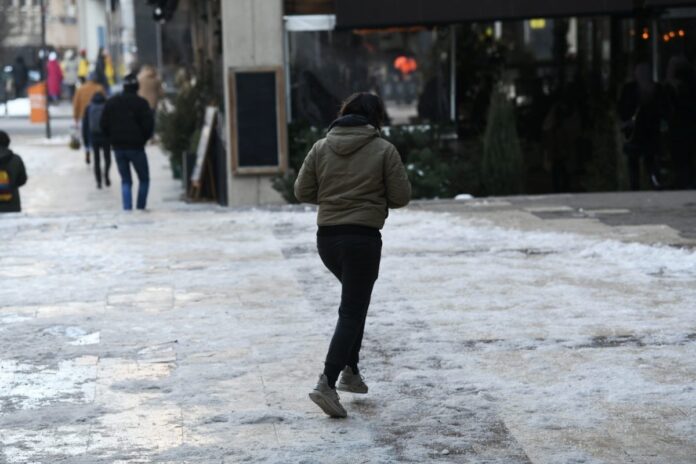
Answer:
(204, 144)
(202, 166)
(281, 123)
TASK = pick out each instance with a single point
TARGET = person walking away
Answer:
(92, 131)
(70, 66)
(561, 131)
(83, 67)
(54, 77)
(20, 77)
(642, 108)
(128, 124)
(100, 69)
(109, 70)
(83, 97)
(681, 83)
(12, 176)
(150, 86)
(355, 176)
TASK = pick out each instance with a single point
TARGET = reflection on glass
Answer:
(408, 68)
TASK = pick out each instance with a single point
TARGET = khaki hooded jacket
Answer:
(354, 176)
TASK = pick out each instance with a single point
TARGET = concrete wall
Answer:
(252, 36)
(91, 16)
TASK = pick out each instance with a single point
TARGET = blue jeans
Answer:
(124, 158)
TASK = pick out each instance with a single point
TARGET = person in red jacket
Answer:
(54, 77)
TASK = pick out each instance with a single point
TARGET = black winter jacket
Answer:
(17, 175)
(89, 135)
(127, 121)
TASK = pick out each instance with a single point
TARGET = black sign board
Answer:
(258, 126)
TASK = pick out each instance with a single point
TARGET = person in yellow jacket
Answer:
(109, 69)
(83, 67)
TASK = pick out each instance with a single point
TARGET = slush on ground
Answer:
(500, 331)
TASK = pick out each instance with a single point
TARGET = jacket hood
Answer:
(346, 140)
(98, 98)
(5, 153)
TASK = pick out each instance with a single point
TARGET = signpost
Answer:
(44, 74)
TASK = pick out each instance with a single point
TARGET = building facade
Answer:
(22, 28)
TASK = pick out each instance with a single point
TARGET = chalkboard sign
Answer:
(257, 123)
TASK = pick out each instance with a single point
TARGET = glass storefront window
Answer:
(409, 68)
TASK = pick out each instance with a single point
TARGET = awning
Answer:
(386, 13)
(295, 23)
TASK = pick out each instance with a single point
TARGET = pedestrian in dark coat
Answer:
(20, 77)
(92, 131)
(642, 107)
(100, 70)
(128, 124)
(681, 83)
(12, 176)
(355, 176)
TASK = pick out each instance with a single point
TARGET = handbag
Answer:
(74, 142)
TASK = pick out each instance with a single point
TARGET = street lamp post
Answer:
(44, 70)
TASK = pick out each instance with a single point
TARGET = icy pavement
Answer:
(194, 335)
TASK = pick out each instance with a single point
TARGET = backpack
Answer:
(94, 115)
(5, 186)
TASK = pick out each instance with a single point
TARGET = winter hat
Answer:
(130, 83)
(52, 56)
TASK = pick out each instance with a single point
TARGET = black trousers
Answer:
(354, 260)
(649, 156)
(97, 147)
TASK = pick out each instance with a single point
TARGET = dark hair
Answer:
(365, 104)
(4, 139)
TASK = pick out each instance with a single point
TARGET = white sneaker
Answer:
(327, 399)
(351, 382)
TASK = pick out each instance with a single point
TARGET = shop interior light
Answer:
(538, 23)
(646, 35)
(405, 64)
(666, 37)
(672, 34)
(682, 33)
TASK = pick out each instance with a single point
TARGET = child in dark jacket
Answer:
(12, 176)
(91, 130)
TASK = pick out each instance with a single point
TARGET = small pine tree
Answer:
(501, 166)
(302, 137)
